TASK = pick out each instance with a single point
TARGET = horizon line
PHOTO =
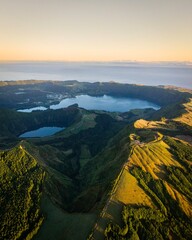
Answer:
(102, 61)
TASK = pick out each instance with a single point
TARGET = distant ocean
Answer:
(177, 74)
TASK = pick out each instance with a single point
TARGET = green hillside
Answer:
(21, 181)
(155, 190)
(106, 175)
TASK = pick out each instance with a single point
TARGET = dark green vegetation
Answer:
(60, 184)
(181, 150)
(14, 123)
(26, 94)
(78, 159)
(21, 180)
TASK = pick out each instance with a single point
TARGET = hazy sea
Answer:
(166, 73)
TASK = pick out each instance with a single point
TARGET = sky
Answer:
(96, 30)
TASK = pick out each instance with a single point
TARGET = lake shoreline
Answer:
(102, 103)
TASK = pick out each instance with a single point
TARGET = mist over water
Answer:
(177, 74)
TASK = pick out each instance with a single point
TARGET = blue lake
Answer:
(105, 103)
(41, 132)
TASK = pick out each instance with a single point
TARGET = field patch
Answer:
(129, 191)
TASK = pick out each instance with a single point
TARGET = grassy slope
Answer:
(129, 191)
(166, 163)
(21, 180)
(187, 116)
(155, 158)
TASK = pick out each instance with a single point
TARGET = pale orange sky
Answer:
(102, 30)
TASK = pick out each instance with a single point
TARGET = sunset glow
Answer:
(87, 30)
